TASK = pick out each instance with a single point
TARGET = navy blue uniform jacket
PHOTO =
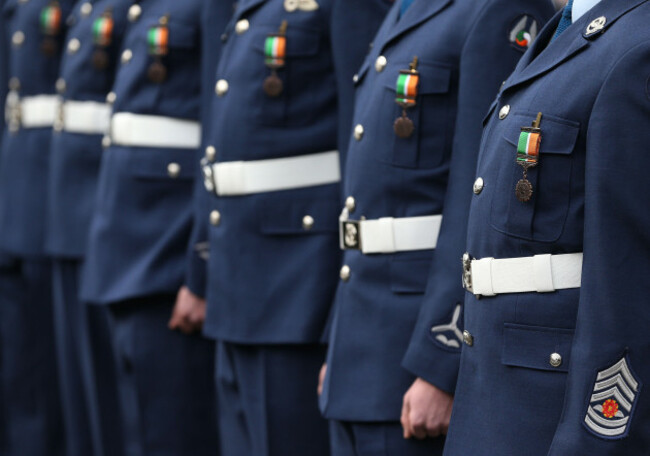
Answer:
(464, 53)
(592, 86)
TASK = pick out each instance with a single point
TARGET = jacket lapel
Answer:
(539, 60)
(419, 12)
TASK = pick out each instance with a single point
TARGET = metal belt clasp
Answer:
(467, 272)
(13, 111)
(351, 234)
(208, 176)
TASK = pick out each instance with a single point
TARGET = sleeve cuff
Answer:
(436, 366)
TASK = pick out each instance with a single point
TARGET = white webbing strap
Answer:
(539, 273)
(139, 130)
(85, 117)
(260, 176)
(391, 235)
(39, 111)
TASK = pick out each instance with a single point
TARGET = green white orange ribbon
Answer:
(103, 31)
(407, 88)
(528, 146)
(51, 19)
(275, 50)
(158, 40)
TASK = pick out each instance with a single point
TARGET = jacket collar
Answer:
(543, 56)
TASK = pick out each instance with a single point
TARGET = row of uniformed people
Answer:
(270, 227)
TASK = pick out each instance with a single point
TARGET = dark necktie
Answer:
(565, 21)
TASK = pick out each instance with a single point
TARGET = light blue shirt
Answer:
(580, 7)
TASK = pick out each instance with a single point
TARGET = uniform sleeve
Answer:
(214, 17)
(488, 57)
(607, 402)
(4, 67)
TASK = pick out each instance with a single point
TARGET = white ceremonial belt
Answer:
(388, 234)
(85, 117)
(139, 130)
(39, 111)
(260, 176)
(539, 273)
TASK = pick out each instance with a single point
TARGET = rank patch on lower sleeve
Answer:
(448, 334)
(523, 32)
(612, 402)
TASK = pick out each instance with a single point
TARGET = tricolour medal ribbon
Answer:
(158, 40)
(528, 146)
(407, 88)
(103, 30)
(50, 19)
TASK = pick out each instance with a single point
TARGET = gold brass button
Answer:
(173, 170)
(18, 38)
(555, 360)
(242, 26)
(503, 113)
(468, 339)
(358, 132)
(345, 273)
(478, 185)
(127, 55)
(308, 222)
(210, 153)
(215, 218)
(134, 12)
(350, 204)
(222, 87)
(86, 9)
(60, 85)
(380, 63)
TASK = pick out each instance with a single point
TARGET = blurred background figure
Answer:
(83, 341)
(30, 54)
(421, 93)
(140, 231)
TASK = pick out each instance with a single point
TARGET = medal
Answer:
(275, 50)
(50, 22)
(530, 140)
(102, 37)
(158, 41)
(406, 92)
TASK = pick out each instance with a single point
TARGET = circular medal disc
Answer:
(403, 127)
(273, 86)
(49, 47)
(524, 190)
(157, 72)
(100, 59)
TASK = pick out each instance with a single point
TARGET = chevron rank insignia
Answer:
(612, 401)
(523, 32)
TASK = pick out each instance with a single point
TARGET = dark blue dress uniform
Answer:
(85, 355)
(556, 362)
(272, 161)
(33, 33)
(215, 16)
(402, 187)
(140, 229)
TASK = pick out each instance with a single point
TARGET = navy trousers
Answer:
(267, 398)
(30, 389)
(378, 439)
(165, 382)
(86, 368)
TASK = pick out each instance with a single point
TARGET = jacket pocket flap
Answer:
(301, 42)
(532, 347)
(295, 216)
(559, 136)
(434, 78)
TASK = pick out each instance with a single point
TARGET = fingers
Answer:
(321, 378)
(404, 419)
